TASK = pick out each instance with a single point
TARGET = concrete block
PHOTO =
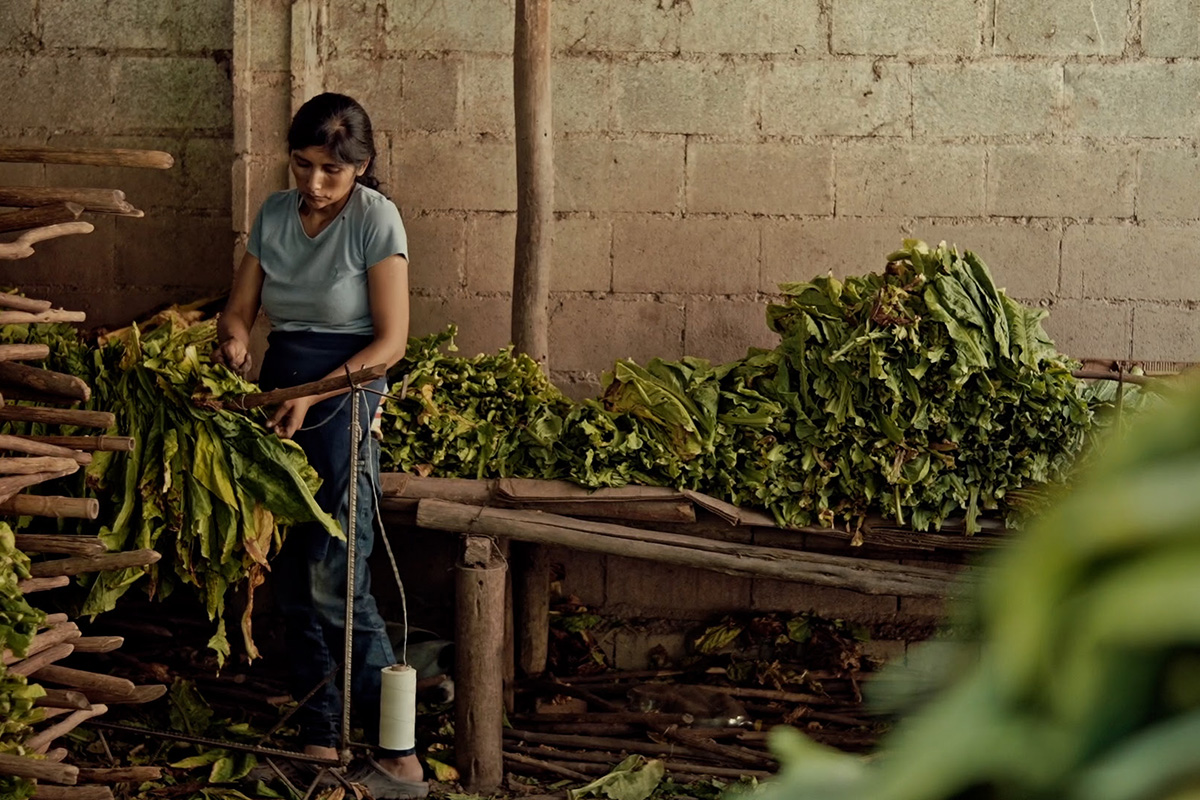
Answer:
(69, 261)
(684, 97)
(488, 94)
(1023, 259)
(582, 99)
(1163, 333)
(582, 255)
(426, 314)
(375, 83)
(577, 386)
(16, 24)
(481, 26)
(202, 24)
(581, 260)
(1169, 185)
(593, 25)
(1090, 328)
(360, 26)
(916, 180)
(799, 251)
(204, 164)
(589, 335)
(174, 250)
(432, 94)
(173, 93)
(722, 330)
(632, 646)
(923, 610)
(271, 34)
(484, 323)
(639, 588)
(453, 174)
(824, 601)
(764, 26)
(760, 178)
(907, 27)
(1150, 99)
(263, 177)
(270, 114)
(1171, 28)
(1143, 262)
(886, 651)
(134, 24)
(72, 93)
(696, 256)
(490, 244)
(1009, 98)
(437, 245)
(1031, 27)
(837, 98)
(1066, 181)
(604, 175)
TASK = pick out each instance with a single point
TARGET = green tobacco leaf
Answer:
(635, 778)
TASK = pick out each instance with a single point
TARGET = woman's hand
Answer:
(289, 417)
(234, 354)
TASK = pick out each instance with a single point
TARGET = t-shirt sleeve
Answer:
(383, 233)
(254, 243)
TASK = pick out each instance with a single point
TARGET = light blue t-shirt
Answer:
(319, 283)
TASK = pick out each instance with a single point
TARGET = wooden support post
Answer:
(479, 678)
(531, 590)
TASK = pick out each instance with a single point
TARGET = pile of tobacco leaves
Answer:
(18, 624)
(921, 393)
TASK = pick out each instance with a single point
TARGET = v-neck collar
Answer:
(328, 225)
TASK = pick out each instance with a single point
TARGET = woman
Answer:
(327, 261)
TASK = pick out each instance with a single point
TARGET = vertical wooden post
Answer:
(531, 279)
(479, 679)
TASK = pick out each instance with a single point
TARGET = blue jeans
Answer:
(308, 575)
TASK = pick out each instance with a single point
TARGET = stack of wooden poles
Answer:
(73, 696)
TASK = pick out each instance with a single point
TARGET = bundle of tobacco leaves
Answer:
(18, 624)
(212, 490)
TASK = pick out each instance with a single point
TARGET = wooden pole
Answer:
(26, 218)
(90, 792)
(44, 380)
(62, 698)
(58, 416)
(87, 682)
(115, 444)
(23, 352)
(42, 660)
(858, 574)
(120, 774)
(22, 246)
(479, 677)
(24, 767)
(31, 465)
(89, 156)
(53, 315)
(44, 641)
(110, 201)
(36, 447)
(81, 564)
(30, 585)
(98, 644)
(40, 742)
(35, 505)
(14, 483)
(276, 396)
(531, 597)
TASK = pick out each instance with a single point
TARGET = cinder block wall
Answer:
(708, 150)
(124, 74)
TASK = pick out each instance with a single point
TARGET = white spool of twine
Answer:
(398, 708)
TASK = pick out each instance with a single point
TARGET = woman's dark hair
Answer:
(340, 125)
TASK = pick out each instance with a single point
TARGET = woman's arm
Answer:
(387, 285)
(233, 327)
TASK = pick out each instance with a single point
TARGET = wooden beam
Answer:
(44, 380)
(39, 770)
(89, 156)
(59, 416)
(111, 201)
(37, 505)
(26, 218)
(81, 564)
(115, 444)
(53, 315)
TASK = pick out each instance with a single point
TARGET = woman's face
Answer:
(323, 181)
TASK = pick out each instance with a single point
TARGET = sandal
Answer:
(383, 785)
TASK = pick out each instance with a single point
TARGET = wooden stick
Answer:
(80, 564)
(110, 201)
(63, 698)
(42, 660)
(69, 544)
(770, 694)
(651, 719)
(53, 315)
(45, 640)
(612, 759)
(23, 767)
(98, 644)
(146, 693)
(22, 246)
(120, 774)
(53, 619)
(115, 444)
(73, 793)
(84, 681)
(23, 352)
(479, 677)
(36, 505)
(57, 755)
(31, 585)
(35, 464)
(89, 156)
(598, 743)
(546, 766)
(26, 218)
(860, 575)
(40, 742)
(531, 603)
(737, 755)
(243, 402)
(15, 483)
(44, 380)
(36, 447)
(59, 416)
